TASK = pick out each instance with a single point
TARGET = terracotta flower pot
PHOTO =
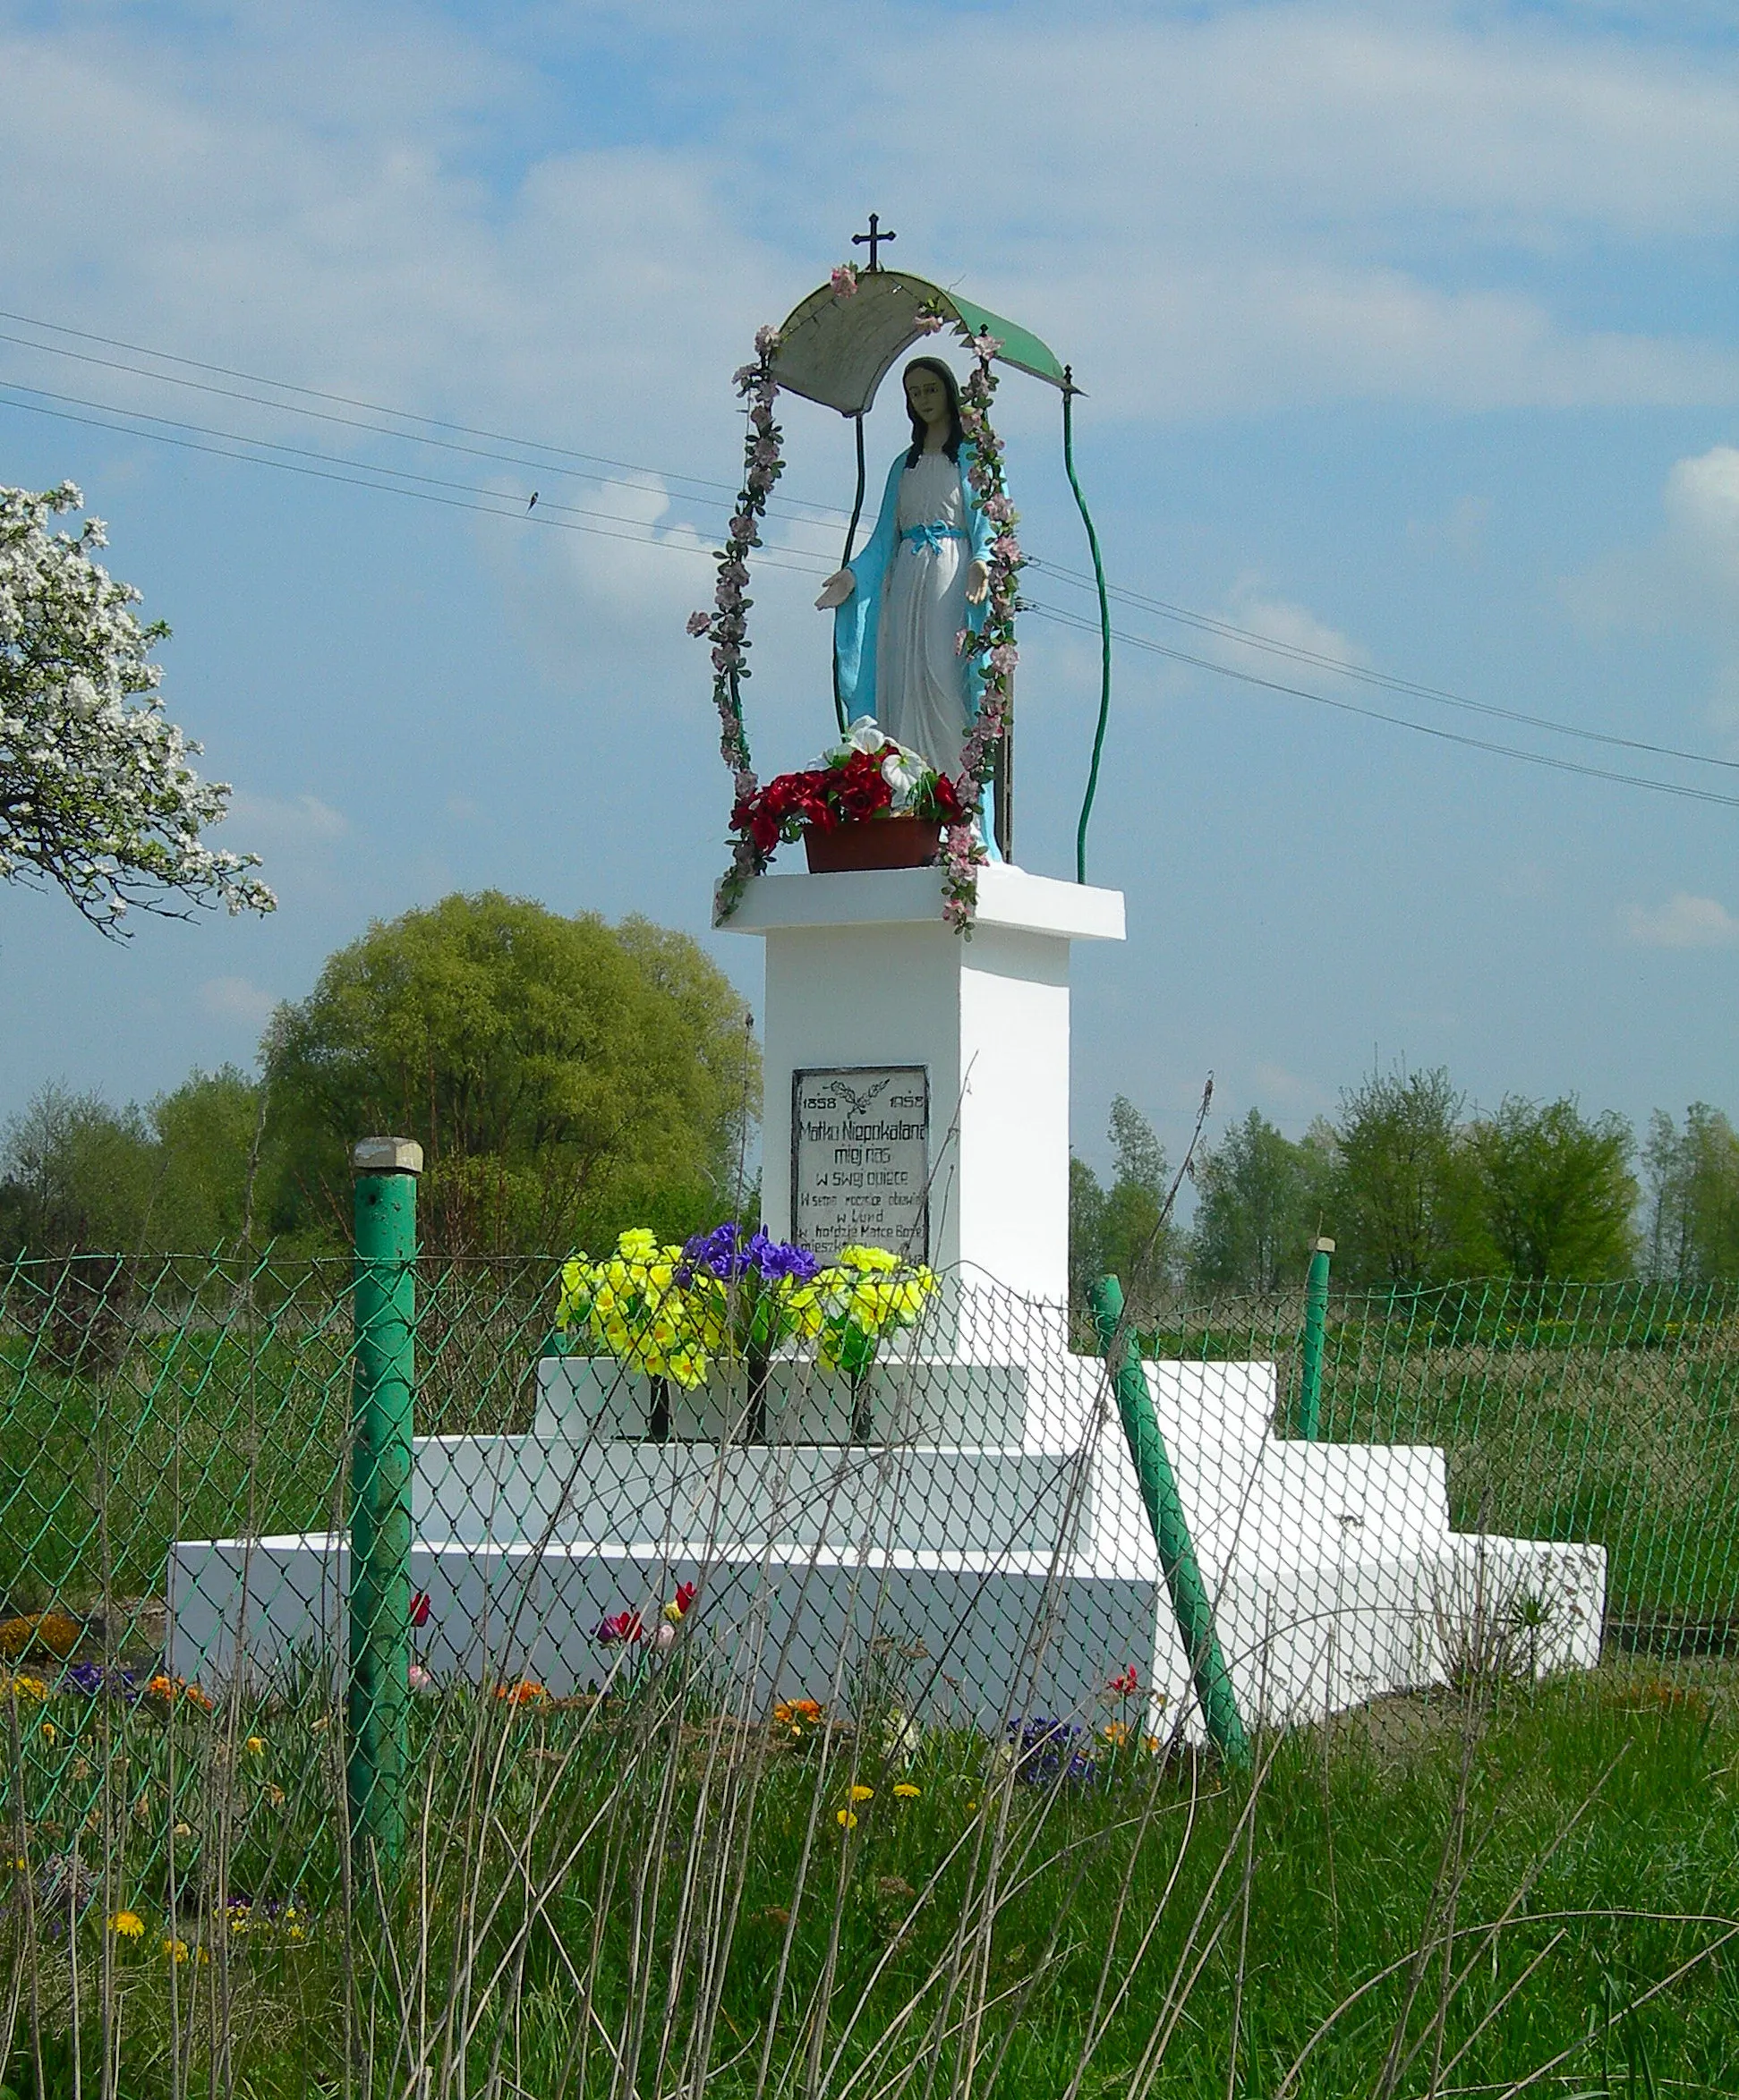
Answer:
(883, 842)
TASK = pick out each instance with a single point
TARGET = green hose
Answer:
(1104, 620)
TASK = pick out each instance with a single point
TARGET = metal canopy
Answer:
(837, 350)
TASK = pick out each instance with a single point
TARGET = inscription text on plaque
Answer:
(860, 1158)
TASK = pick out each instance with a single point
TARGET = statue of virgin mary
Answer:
(922, 577)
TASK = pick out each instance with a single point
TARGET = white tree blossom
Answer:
(96, 792)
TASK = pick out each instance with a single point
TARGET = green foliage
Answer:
(1694, 1195)
(1406, 1197)
(1122, 1232)
(185, 1176)
(75, 1172)
(1556, 1193)
(565, 1078)
(1260, 1200)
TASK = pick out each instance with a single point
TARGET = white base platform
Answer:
(1012, 1573)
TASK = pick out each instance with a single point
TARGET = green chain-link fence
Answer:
(1504, 1480)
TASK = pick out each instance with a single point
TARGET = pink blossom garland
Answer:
(725, 626)
(963, 847)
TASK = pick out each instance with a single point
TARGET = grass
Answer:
(1508, 1889)
(635, 1895)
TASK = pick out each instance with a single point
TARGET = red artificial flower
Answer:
(1125, 1681)
(622, 1626)
(684, 1597)
(419, 1607)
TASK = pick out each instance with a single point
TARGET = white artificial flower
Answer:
(905, 772)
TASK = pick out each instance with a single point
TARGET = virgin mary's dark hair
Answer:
(920, 431)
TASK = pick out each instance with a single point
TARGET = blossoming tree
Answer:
(97, 796)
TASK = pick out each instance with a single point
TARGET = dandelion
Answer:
(127, 1924)
(255, 1746)
(972, 1808)
(175, 1951)
(50, 1733)
(906, 1791)
(863, 1793)
(845, 1819)
(28, 1687)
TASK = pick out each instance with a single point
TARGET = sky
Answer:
(1408, 346)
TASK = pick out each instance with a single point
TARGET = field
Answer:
(1514, 1889)
(1498, 1887)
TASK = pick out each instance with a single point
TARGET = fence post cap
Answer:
(386, 1155)
(1322, 1246)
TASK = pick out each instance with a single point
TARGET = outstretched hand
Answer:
(837, 588)
(978, 583)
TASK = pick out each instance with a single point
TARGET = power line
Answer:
(1347, 707)
(364, 480)
(1249, 638)
(465, 496)
(829, 511)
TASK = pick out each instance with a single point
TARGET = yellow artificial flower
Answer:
(863, 1793)
(127, 1924)
(845, 1819)
(874, 1258)
(28, 1687)
(637, 1244)
(906, 1791)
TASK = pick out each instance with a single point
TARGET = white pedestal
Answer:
(863, 972)
(991, 1527)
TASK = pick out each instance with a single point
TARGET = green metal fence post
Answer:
(1309, 1417)
(1177, 1552)
(385, 1311)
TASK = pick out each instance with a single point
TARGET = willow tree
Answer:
(565, 1077)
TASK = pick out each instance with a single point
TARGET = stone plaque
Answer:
(860, 1158)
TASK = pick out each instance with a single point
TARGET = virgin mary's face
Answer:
(928, 396)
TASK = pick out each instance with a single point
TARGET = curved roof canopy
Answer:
(837, 350)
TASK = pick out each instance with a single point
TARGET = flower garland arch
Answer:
(725, 626)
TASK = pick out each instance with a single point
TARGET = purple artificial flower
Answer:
(778, 1260)
(94, 1678)
(714, 1252)
(698, 623)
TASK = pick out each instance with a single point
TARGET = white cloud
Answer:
(236, 1000)
(1294, 626)
(1270, 204)
(1681, 922)
(302, 820)
(1701, 500)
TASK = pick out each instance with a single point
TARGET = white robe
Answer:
(920, 679)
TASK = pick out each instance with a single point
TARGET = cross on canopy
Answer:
(875, 237)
